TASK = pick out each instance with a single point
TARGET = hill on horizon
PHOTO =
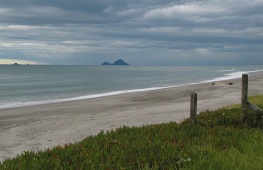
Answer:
(117, 62)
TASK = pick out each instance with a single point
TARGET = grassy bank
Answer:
(219, 141)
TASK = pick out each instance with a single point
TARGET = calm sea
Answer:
(23, 85)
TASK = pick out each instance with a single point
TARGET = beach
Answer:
(43, 126)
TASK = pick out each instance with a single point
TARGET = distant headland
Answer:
(119, 62)
(17, 64)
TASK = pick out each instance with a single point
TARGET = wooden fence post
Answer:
(193, 108)
(244, 101)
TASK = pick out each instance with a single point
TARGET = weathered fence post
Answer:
(244, 101)
(193, 108)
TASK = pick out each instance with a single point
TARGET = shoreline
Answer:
(43, 126)
(224, 77)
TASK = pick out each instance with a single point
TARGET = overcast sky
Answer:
(142, 32)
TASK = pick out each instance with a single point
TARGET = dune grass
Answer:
(257, 100)
(219, 141)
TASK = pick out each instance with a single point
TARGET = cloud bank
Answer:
(148, 32)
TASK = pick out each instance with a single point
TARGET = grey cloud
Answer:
(155, 32)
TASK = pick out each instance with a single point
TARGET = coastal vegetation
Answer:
(219, 141)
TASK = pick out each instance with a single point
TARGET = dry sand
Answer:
(44, 126)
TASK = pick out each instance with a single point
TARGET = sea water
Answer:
(23, 85)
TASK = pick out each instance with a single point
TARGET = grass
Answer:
(219, 141)
(257, 100)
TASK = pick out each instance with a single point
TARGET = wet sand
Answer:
(44, 126)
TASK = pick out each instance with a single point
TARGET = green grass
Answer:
(219, 141)
(257, 100)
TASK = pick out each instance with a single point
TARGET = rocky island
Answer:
(119, 62)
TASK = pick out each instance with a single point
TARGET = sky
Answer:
(141, 32)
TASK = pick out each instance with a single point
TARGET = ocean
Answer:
(24, 85)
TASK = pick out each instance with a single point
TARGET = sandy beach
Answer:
(44, 126)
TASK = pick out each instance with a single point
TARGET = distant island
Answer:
(119, 62)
